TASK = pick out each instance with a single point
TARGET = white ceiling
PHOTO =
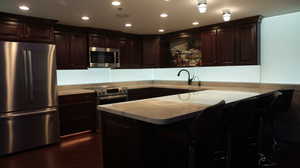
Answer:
(144, 14)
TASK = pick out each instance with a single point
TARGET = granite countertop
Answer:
(169, 109)
(73, 91)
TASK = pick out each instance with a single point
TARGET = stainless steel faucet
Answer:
(189, 76)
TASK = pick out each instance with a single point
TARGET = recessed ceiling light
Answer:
(195, 23)
(163, 15)
(24, 8)
(161, 30)
(116, 3)
(226, 15)
(85, 18)
(202, 6)
(128, 25)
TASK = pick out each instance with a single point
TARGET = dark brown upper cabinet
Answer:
(38, 33)
(226, 45)
(232, 43)
(130, 53)
(248, 44)
(10, 30)
(165, 53)
(112, 41)
(62, 41)
(103, 40)
(71, 49)
(79, 50)
(209, 47)
(151, 52)
(97, 40)
(125, 53)
(25, 28)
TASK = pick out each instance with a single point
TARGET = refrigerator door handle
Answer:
(25, 70)
(30, 75)
(20, 114)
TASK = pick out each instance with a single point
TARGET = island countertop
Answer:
(169, 109)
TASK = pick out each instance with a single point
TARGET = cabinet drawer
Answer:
(78, 98)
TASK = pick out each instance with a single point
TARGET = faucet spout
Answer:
(189, 76)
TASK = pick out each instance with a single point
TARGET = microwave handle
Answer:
(115, 58)
(116, 61)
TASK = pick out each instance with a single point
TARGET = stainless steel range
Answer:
(108, 95)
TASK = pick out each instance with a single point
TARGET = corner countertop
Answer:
(169, 109)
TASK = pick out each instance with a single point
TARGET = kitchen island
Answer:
(151, 132)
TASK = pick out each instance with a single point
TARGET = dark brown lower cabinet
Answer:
(129, 143)
(77, 113)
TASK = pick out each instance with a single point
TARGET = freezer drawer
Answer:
(27, 130)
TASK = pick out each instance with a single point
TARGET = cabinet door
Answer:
(38, 33)
(77, 117)
(130, 53)
(77, 113)
(97, 40)
(247, 51)
(62, 41)
(165, 54)
(125, 53)
(112, 42)
(10, 30)
(135, 53)
(226, 46)
(208, 47)
(78, 50)
(151, 52)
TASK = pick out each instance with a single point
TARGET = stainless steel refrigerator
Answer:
(28, 99)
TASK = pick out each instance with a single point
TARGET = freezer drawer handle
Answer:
(13, 115)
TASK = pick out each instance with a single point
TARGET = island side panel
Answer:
(136, 144)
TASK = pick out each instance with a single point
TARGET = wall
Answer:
(280, 49)
(280, 59)
(101, 75)
(215, 74)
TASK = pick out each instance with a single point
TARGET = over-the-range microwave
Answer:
(104, 57)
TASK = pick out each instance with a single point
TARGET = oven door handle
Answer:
(112, 97)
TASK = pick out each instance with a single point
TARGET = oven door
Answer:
(111, 99)
(103, 57)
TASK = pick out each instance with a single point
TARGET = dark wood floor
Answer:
(83, 151)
